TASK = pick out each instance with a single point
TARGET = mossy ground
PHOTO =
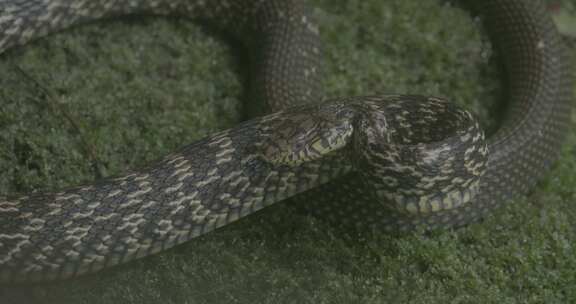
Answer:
(115, 95)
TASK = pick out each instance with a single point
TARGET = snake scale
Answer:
(389, 162)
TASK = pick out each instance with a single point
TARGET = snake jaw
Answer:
(412, 170)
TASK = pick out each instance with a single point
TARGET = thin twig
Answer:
(87, 146)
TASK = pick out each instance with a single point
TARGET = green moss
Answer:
(116, 95)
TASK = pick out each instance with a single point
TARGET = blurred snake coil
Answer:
(393, 162)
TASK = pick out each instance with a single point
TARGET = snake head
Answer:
(305, 134)
(418, 154)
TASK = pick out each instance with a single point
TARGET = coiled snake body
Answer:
(388, 162)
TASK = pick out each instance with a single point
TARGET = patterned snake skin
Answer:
(371, 161)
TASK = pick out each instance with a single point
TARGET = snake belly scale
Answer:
(373, 160)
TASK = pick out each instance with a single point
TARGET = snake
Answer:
(387, 162)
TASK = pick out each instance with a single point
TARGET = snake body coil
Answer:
(374, 160)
